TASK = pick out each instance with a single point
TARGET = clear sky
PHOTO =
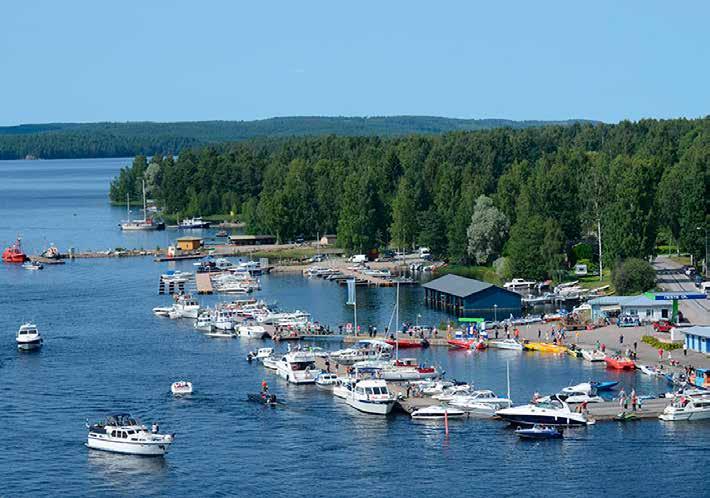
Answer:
(196, 60)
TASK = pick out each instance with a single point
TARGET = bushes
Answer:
(633, 276)
(655, 343)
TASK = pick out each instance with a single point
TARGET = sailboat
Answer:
(144, 224)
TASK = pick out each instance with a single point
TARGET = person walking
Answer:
(539, 333)
(660, 354)
(685, 349)
(621, 339)
(635, 346)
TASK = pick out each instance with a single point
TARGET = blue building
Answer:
(468, 297)
(697, 338)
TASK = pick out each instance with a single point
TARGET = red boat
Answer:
(407, 343)
(14, 254)
(413, 363)
(619, 363)
(467, 344)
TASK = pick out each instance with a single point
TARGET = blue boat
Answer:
(539, 432)
(607, 385)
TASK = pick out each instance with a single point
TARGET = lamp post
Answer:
(706, 248)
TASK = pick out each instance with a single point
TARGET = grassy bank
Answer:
(592, 282)
(484, 273)
(293, 253)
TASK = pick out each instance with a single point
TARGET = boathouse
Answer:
(189, 243)
(697, 338)
(251, 240)
(468, 297)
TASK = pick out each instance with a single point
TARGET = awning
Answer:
(612, 307)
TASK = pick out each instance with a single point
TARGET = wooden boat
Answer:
(619, 363)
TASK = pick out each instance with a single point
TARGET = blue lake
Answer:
(106, 352)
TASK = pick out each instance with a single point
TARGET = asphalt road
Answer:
(672, 279)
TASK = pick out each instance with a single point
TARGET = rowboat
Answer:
(619, 363)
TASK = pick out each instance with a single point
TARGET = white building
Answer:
(648, 310)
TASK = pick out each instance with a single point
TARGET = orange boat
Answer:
(619, 363)
(466, 344)
(14, 254)
(408, 343)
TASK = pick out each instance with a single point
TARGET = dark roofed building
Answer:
(468, 297)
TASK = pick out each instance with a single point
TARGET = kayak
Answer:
(545, 347)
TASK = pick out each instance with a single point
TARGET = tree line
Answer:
(533, 195)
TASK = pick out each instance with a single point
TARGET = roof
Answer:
(640, 300)
(251, 237)
(644, 301)
(458, 286)
(189, 238)
(700, 330)
(670, 296)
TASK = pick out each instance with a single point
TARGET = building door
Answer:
(664, 313)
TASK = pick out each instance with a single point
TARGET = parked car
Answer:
(663, 326)
(358, 258)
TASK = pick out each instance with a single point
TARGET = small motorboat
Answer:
(28, 337)
(181, 387)
(162, 310)
(593, 356)
(506, 344)
(221, 334)
(619, 363)
(437, 412)
(648, 370)
(260, 354)
(32, 265)
(326, 380)
(539, 432)
(606, 385)
(545, 347)
(461, 343)
(263, 399)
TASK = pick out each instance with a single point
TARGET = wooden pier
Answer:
(203, 283)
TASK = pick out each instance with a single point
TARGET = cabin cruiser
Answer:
(505, 344)
(593, 356)
(366, 349)
(121, 433)
(204, 320)
(181, 387)
(691, 407)
(299, 317)
(437, 412)
(519, 283)
(298, 367)
(483, 397)
(251, 267)
(190, 223)
(326, 380)
(399, 370)
(223, 319)
(371, 396)
(28, 337)
(186, 306)
(553, 412)
(451, 392)
(260, 354)
(252, 331)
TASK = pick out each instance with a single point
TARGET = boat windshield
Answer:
(550, 405)
(302, 365)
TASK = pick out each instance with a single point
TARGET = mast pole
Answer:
(396, 326)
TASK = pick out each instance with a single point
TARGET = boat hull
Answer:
(29, 345)
(371, 407)
(685, 415)
(530, 420)
(128, 448)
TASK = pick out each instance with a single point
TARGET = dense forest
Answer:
(75, 140)
(538, 196)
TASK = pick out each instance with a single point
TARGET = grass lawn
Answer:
(682, 260)
(484, 273)
(293, 253)
(592, 282)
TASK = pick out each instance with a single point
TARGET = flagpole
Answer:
(355, 304)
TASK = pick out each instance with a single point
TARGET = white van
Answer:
(705, 288)
(358, 258)
(424, 253)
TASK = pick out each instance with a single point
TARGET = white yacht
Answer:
(28, 337)
(204, 320)
(181, 387)
(196, 222)
(252, 331)
(437, 412)
(505, 344)
(186, 306)
(298, 367)
(687, 408)
(593, 355)
(162, 310)
(371, 396)
(481, 396)
(123, 434)
(553, 412)
(366, 349)
(223, 319)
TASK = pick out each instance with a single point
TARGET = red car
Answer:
(663, 326)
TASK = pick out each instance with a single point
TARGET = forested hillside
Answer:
(530, 194)
(74, 140)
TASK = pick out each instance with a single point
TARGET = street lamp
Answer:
(706, 248)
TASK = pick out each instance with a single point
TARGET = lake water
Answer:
(105, 352)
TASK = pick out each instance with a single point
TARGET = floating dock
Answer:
(203, 283)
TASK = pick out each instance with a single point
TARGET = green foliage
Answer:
(582, 252)
(484, 273)
(535, 248)
(655, 343)
(633, 275)
(487, 232)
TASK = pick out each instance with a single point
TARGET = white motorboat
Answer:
(593, 355)
(270, 362)
(181, 387)
(505, 344)
(649, 370)
(553, 412)
(162, 310)
(584, 387)
(371, 396)
(519, 283)
(186, 306)
(252, 331)
(437, 412)
(263, 353)
(203, 321)
(481, 396)
(275, 318)
(570, 396)
(473, 408)
(28, 337)
(121, 433)
(326, 380)
(298, 367)
(431, 388)
(688, 408)
(191, 223)
(366, 349)
(453, 391)
(32, 265)
(223, 319)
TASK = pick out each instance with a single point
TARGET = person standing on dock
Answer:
(634, 399)
(622, 399)
(539, 334)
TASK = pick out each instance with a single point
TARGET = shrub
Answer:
(655, 343)
(633, 275)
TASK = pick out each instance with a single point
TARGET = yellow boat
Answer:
(545, 347)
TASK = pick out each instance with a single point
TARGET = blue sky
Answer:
(196, 60)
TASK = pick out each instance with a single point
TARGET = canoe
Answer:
(619, 363)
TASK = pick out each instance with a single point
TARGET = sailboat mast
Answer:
(145, 206)
(128, 207)
(396, 326)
